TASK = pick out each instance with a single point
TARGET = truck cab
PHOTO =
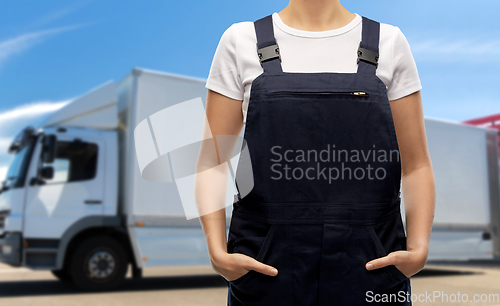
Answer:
(60, 195)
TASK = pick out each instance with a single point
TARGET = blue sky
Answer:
(53, 51)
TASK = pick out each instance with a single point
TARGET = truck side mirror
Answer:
(47, 172)
(49, 149)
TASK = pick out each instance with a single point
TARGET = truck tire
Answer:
(99, 263)
(62, 275)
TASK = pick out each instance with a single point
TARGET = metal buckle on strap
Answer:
(268, 53)
(367, 55)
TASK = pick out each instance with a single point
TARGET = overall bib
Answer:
(326, 172)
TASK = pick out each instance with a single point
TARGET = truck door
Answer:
(76, 189)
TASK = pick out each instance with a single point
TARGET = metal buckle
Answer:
(367, 55)
(268, 53)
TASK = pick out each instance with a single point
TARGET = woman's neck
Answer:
(315, 15)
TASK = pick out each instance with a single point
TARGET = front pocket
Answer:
(261, 252)
(382, 253)
(243, 277)
(256, 289)
(367, 247)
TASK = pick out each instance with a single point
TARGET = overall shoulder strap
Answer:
(368, 47)
(267, 48)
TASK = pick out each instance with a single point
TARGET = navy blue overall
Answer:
(327, 172)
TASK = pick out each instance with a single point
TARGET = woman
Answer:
(321, 224)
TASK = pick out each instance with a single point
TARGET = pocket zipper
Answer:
(353, 93)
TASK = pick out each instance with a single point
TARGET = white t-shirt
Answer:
(236, 64)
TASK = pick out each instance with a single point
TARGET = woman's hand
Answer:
(235, 265)
(408, 262)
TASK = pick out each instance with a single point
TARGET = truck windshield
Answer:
(17, 170)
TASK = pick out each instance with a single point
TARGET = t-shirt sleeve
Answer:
(405, 79)
(223, 76)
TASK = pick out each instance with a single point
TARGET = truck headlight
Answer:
(6, 249)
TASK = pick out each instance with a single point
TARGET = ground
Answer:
(200, 285)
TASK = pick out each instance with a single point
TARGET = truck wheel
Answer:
(62, 275)
(99, 263)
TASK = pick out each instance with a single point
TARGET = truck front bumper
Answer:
(10, 249)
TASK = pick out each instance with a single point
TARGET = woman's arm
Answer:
(418, 185)
(224, 117)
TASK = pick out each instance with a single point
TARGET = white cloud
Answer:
(24, 42)
(29, 111)
(53, 16)
(3, 172)
(466, 50)
(5, 142)
(464, 46)
(60, 13)
(4, 146)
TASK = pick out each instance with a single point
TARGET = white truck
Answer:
(466, 168)
(74, 201)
